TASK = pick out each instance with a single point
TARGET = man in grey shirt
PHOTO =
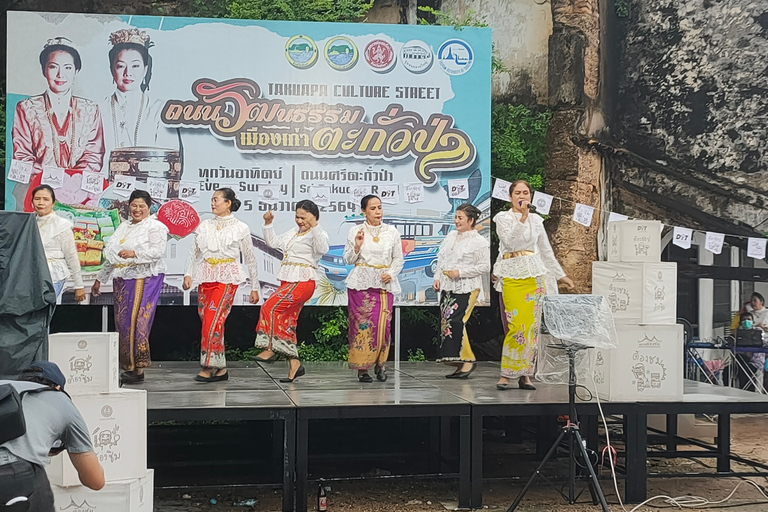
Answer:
(53, 424)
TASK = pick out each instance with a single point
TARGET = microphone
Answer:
(531, 207)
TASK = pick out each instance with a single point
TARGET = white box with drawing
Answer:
(89, 361)
(638, 293)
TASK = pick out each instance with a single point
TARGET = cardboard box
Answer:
(634, 241)
(117, 424)
(646, 366)
(638, 293)
(136, 495)
(89, 361)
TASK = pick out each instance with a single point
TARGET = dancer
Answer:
(58, 242)
(525, 256)
(462, 261)
(213, 266)
(134, 261)
(57, 129)
(302, 247)
(376, 251)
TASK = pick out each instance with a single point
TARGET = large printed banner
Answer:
(98, 106)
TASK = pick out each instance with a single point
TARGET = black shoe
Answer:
(364, 377)
(529, 386)
(502, 386)
(463, 375)
(212, 378)
(129, 377)
(269, 360)
(299, 372)
(381, 373)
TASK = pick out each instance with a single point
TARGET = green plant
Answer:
(519, 143)
(621, 7)
(417, 355)
(470, 19)
(414, 316)
(330, 338)
(299, 10)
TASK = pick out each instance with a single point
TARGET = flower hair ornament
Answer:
(130, 35)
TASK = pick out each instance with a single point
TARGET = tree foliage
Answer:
(518, 143)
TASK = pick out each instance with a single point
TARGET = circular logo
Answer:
(455, 57)
(380, 55)
(106, 411)
(268, 193)
(301, 52)
(82, 344)
(341, 53)
(416, 56)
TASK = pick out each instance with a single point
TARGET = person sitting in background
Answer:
(53, 424)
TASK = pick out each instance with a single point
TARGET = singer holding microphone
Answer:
(525, 257)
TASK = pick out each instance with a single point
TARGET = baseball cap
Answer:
(46, 370)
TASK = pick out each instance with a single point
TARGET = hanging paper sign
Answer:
(360, 191)
(616, 217)
(390, 194)
(582, 214)
(414, 192)
(124, 185)
(92, 182)
(501, 189)
(458, 189)
(542, 202)
(714, 242)
(20, 172)
(269, 193)
(52, 176)
(682, 237)
(756, 248)
(189, 191)
(320, 195)
(157, 188)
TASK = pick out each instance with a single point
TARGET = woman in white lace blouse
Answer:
(462, 261)
(376, 251)
(302, 248)
(525, 257)
(215, 268)
(58, 242)
(134, 260)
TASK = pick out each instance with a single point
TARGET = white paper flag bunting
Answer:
(616, 217)
(542, 202)
(458, 189)
(582, 214)
(501, 189)
(320, 195)
(390, 194)
(756, 248)
(52, 176)
(714, 242)
(360, 191)
(682, 237)
(92, 182)
(269, 193)
(189, 191)
(157, 188)
(20, 172)
(414, 192)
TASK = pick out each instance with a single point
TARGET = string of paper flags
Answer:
(583, 214)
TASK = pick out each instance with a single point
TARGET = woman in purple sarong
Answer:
(134, 260)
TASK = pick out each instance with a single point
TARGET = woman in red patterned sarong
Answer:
(214, 266)
(302, 246)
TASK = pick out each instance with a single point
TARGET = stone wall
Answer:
(691, 112)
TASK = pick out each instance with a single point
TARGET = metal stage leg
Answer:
(636, 434)
(289, 460)
(477, 460)
(278, 448)
(302, 463)
(671, 432)
(445, 444)
(723, 443)
(465, 465)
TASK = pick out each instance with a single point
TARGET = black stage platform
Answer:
(331, 391)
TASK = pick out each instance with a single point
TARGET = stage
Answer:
(331, 391)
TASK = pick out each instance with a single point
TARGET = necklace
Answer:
(293, 240)
(376, 234)
(58, 139)
(122, 123)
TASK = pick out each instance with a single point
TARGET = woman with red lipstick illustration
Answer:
(58, 129)
(131, 116)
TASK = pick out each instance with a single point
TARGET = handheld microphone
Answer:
(531, 207)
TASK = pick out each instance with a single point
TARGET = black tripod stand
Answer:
(575, 445)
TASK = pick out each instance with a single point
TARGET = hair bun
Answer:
(235, 205)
